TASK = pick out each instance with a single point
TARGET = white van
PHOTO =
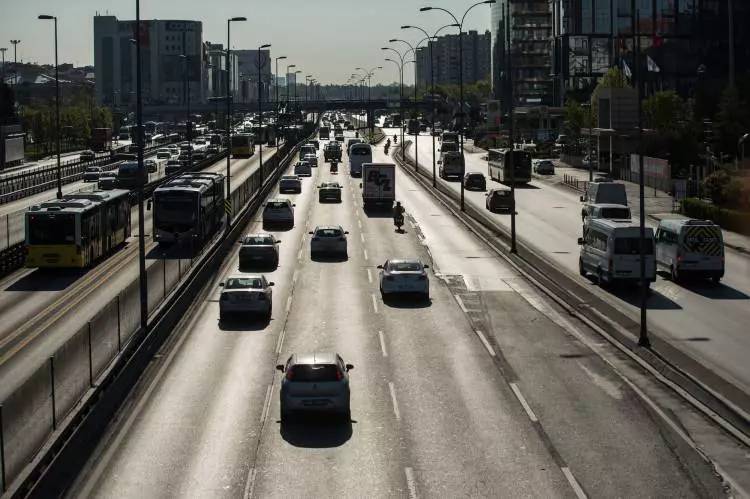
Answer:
(687, 246)
(610, 249)
(609, 211)
(359, 154)
(450, 165)
(603, 193)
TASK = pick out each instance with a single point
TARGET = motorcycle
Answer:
(334, 167)
(385, 149)
(395, 139)
(398, 221)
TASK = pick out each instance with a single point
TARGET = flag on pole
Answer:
(651, 65)
(626, 70)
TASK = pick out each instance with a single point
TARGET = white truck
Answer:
(611, 193)
(378, 184)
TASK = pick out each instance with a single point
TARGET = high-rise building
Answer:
(528, 27)
(216, 71)
(166, 77)
(248, 62)
(683, 42)
(445, 51)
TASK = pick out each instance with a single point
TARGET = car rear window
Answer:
(315, 373)
(501, 194)
(328, 233)
(258, 240)
(405, 266)
(244, 283)
(276, 205)
(630, 246)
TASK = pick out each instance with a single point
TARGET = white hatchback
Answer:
(328, 239)
(246, 294)
(404, 276)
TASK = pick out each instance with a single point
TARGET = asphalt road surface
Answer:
(476, 393)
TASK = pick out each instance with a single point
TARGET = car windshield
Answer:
(258, 240)
(307, 373)
(405, 266)
(277, 205)
(501, 194)
(631, 246)
(244, 283)
(328, 232)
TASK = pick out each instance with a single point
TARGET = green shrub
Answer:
(734, 220)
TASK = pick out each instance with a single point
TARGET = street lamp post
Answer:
(3, 50)
(57, 105)
(368, 75)
(260, 107)
(295, 88)
(400, 96)
(15, 61)
(276, 83)
(432, 88)
(460, 81)
(229, 119)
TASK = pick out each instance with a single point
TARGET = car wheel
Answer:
(268, 314)
(581, 268)
(674, 273)
(716, 279)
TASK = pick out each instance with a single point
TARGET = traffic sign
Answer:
(227, 207)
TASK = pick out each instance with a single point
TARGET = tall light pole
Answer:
(400, 96)
(15, 61)
(228, 194)
(511, 135)
(307, 84)
(432, 88)
(276, 84)
(2, 51)
(57, 104)
(295, 88)
(460, 80)
(260, 106)
(368, 75)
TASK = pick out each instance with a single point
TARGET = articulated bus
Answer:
(78, 229)
(243, 145)
(498, 161)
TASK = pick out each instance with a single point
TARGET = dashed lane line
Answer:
(374, 302)
(280, 342)
(580, 494)
(382, 344)
(369, 276)
(524, 404)
(288, 304)
(485, 342)
(392, 389)
(365, 253)
(410, 482)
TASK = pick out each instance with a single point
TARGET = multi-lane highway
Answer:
(43, 308)
(702, 319)
(480, 392)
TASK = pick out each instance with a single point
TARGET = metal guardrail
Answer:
(575, 183)
(47, 400)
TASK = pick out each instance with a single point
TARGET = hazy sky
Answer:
(326, 38)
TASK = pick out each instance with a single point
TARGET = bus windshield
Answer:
(48, 228)
(174, 208)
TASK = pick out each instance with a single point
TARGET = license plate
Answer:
(314, 402)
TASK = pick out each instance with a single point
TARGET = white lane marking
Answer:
(250, 484)
(525, 405)
(299, 254)
(580, 494)
(288, 304)
(485, 342)
(369, 276)
(359, 223)
(374, 303)
(362, 237)
(266, 405)
(365, 252)
(461, 304)
(393, 400)
(382, 344)
(295, 276)
(411, 483)
(280, 342)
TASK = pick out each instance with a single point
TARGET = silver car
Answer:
(290, 183)
(404, 276)
(328, 239)
(315, 382)
(258, 249)
(244, 294)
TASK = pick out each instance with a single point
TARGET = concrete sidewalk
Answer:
(659, 204)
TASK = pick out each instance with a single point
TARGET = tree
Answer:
(665, 112)
(7, 104)
(731, 122)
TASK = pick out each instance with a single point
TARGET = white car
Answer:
(302, 168)
(404, 276)
(278, 211)
(290, 183)
(312, 159)
(328, 239)
(244, 294)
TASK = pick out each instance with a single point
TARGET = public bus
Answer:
(77, 229)
(243, 145)
(396, 120)
(189, 208)
(498, 164)
(264, 134)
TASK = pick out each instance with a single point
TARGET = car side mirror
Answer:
(349, 367)
(271, 283)
(310, 232)
(346, 232)
(380, 266)
(280, 367)
(221, 284)
(294, 204)
(426, 266)
(581, 198)
(580, 241)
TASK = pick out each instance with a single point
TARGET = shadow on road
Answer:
(715, 291)
(316, 430)
(328, 258)
(406, 301)
(632, 295)
(48, 280)
(243, 325)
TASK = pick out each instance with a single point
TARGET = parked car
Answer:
(244, 294)
(315, 382)
(92, 174)
(290, 183)
(259, 249)
(404, 276)
(328, 239)
(475, 181)
(329, 191)
(499, 199)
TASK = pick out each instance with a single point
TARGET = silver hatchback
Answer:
(315, 382)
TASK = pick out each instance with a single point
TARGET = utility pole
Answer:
(512, 152)
(15, 61)
(730, 16)
(142, 277)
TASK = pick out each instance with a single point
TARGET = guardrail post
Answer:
(91, 359)
(3, 487)
(52, 391)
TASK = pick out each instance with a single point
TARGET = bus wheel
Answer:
(581, 269)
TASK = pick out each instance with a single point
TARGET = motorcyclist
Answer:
(395, 138)
(398, 213)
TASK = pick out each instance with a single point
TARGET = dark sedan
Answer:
(475, 181)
